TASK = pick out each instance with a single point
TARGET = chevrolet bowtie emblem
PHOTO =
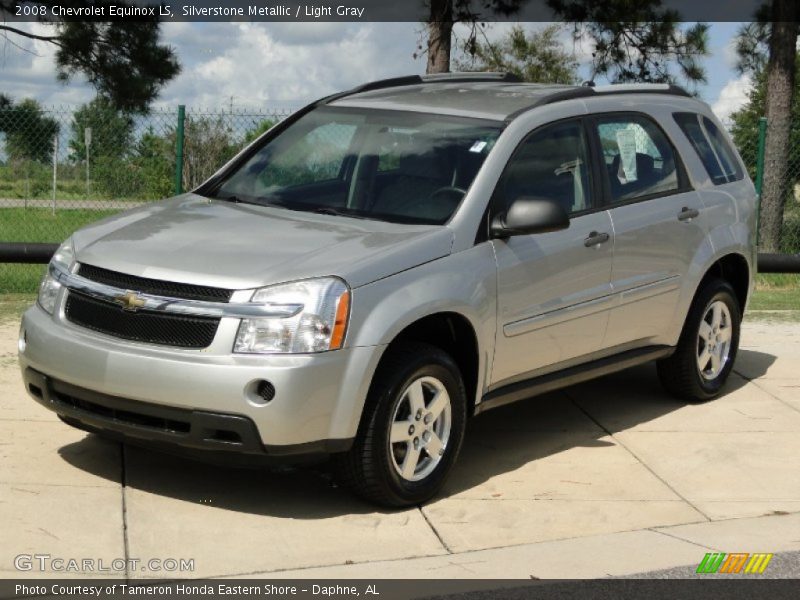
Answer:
(130, 301)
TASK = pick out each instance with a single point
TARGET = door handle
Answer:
(687, 214)
(595, 239)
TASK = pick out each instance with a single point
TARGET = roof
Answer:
(487, 96)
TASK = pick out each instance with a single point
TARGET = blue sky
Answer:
(283, 65)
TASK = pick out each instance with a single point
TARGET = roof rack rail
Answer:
(615, 88)
(585, 91)
(642, 88)
(457, 77)
(472, 76)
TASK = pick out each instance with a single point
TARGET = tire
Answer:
(372, 468)
(715, 309)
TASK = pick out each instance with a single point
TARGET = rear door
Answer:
(553, 288)
(658, 225)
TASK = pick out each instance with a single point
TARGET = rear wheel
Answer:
(412, 429)
(707, 347)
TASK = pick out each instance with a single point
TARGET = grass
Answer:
(19, 279)
(777, 299)
(778, 291)
(120, 184)
(41, 225)
(37, 225)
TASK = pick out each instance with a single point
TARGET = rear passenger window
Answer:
(639, 160)
(715, 152)
(552, 163)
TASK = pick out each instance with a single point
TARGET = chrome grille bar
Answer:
(162, 304)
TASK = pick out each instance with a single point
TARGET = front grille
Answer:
(145, 326)
(141, 326)
(157, 287)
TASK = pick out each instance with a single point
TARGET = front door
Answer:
(553, 288)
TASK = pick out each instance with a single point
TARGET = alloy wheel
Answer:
(714, 340)
(420, 428)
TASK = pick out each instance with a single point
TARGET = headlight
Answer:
(49, 288)
(319, 326)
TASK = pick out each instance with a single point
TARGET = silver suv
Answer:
(393, 260)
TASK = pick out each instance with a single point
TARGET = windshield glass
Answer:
(386, 165)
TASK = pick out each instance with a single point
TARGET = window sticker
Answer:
(626, 141)
(478, 147)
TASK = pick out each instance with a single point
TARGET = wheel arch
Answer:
(734, 269)
(453, 333)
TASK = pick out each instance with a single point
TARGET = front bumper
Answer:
(208, 435)
(316, 407)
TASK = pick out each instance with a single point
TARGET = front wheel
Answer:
(707, 347)
(412, 429)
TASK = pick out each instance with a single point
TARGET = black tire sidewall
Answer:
(430, 364)
(718, 291)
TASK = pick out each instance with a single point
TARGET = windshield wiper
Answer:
(329, 210)
(234, 199)
(257, 200)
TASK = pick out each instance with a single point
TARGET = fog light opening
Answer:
(260, 392)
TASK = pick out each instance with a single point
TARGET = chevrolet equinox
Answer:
(389, 262)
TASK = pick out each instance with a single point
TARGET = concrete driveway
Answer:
(607, 478)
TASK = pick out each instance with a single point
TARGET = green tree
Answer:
(536, 56)
(768, 48)
(110, 148)
(745, 123)
(153, 163)
(208, 144)
(30, 134)
(251, 134)
(637, 40)
(752, 44)
(112, 131)
(124, 60)
(443, 14)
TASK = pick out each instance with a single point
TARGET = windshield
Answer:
(385, 165)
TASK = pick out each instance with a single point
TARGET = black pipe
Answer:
(779, 263)
(28, 253)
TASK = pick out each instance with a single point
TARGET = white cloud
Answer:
(729, 54)
(276, 65)
(27, 69)
(284, 65)
(732, 97)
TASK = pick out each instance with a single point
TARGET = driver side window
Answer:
(552, 163)
(314, 158)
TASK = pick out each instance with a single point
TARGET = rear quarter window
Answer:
(713, 149)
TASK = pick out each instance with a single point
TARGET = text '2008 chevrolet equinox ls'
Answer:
(392, 260)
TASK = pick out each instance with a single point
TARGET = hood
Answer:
(191, 239)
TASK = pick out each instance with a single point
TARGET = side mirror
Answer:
(530, 214)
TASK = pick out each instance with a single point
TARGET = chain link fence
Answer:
(64, 167)
(749, 138)
(61, 168)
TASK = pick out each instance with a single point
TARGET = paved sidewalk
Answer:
(663, 552)
(611, 477)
